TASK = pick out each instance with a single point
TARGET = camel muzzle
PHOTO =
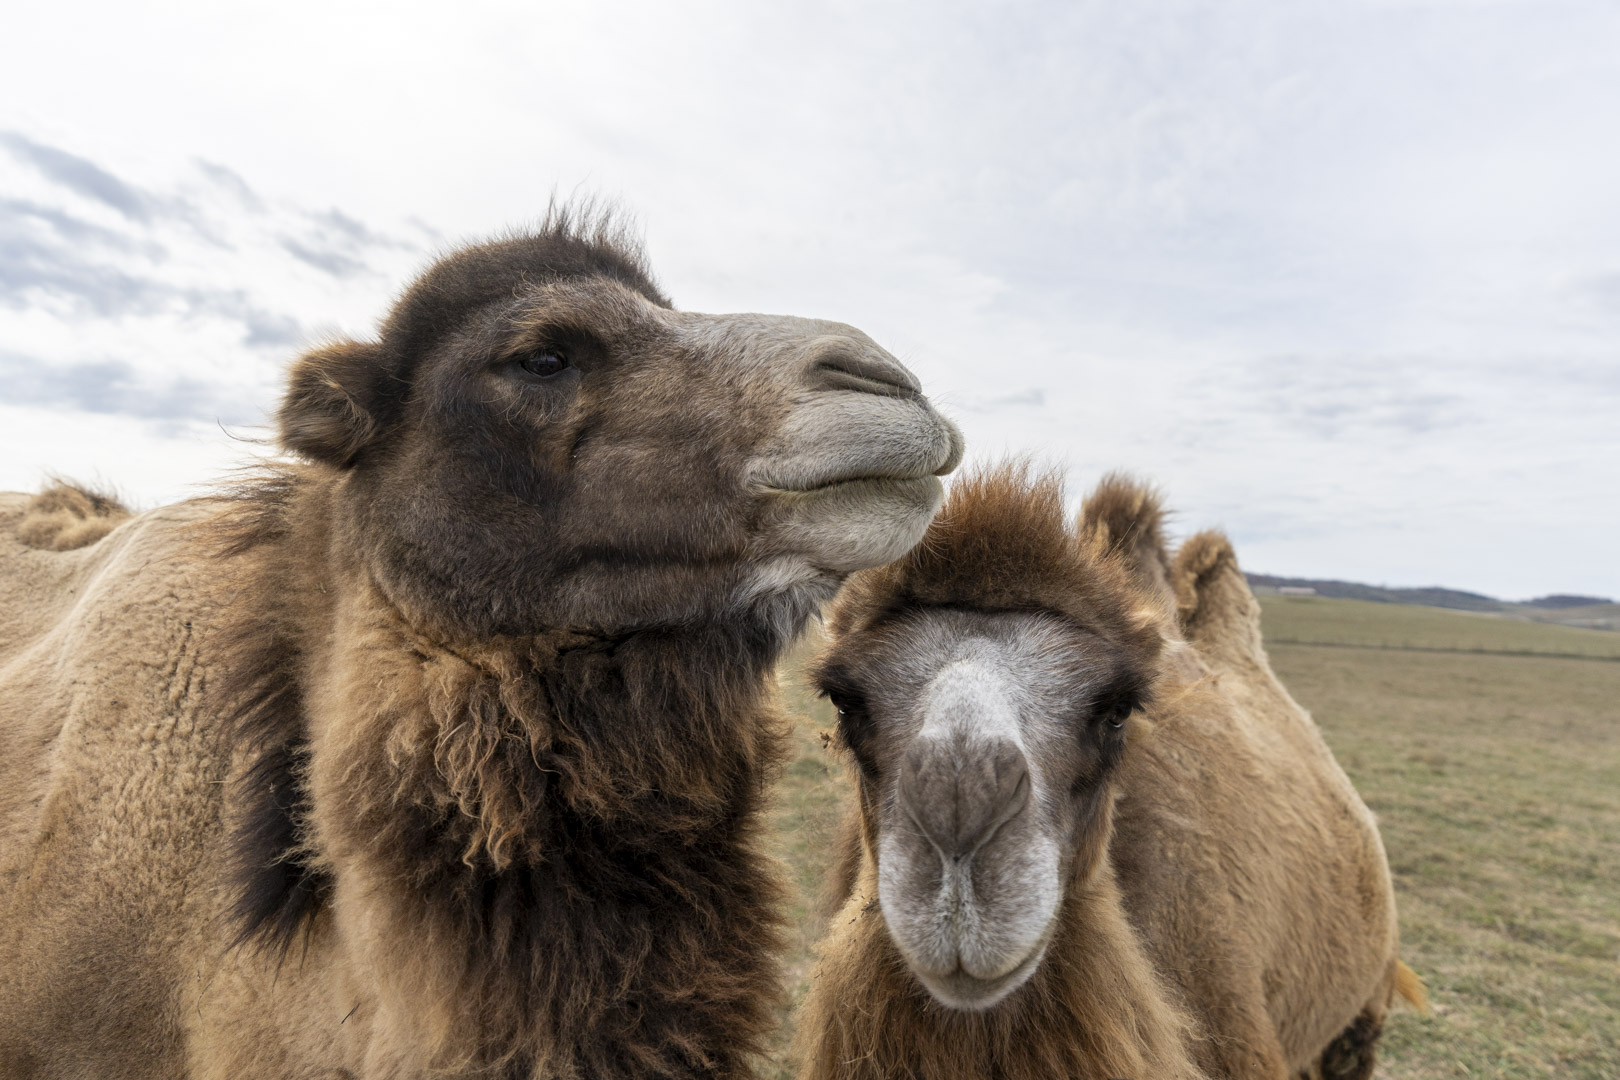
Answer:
(961, 792)
(967, 871)
(851, 475)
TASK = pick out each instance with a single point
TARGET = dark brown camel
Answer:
(442, 751)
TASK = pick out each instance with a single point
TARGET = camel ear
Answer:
(331, 408)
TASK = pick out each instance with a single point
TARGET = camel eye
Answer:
(853, 720)
(849, 712)
(1115, 702)
(1117, 712)
(544, 364)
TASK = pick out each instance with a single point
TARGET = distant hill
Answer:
(1433, 596)
(1563, 600)
(1589, 612)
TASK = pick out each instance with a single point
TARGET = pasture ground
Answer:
(1492, 759)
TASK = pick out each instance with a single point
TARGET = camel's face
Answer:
(572, 453)
(985, 743)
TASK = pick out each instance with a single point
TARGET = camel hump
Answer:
(66, 516)
(1123, 516)
(1214, 606)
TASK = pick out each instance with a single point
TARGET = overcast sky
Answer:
(1343, 278)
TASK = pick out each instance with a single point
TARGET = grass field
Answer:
(1297, 620)
(1493, 762)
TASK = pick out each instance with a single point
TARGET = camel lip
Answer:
(836, 439)
(868, 480)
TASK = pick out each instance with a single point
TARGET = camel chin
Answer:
(857, 523)
(968, 993)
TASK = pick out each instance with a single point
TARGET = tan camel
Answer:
(442, 753)
(1088, 846)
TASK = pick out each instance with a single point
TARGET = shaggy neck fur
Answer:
(1093, 1010)
(562, 826)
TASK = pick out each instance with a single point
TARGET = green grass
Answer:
(1317, 620)
(1601, 616)
(1496, 779)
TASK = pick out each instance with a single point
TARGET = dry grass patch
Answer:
(805, 821)
(1496, 780)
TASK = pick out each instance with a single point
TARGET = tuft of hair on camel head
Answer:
(538, 439)
(986, 684)
(1005, 541)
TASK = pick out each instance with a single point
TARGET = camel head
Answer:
(985, 685)
(537, 440)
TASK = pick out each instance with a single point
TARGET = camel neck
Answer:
(523, 737)
(563, 826)
(543, 808)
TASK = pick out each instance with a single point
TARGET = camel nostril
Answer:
(1009, 790)
(843, 369)
(960, 800)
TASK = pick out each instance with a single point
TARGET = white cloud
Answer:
(1342, 276)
